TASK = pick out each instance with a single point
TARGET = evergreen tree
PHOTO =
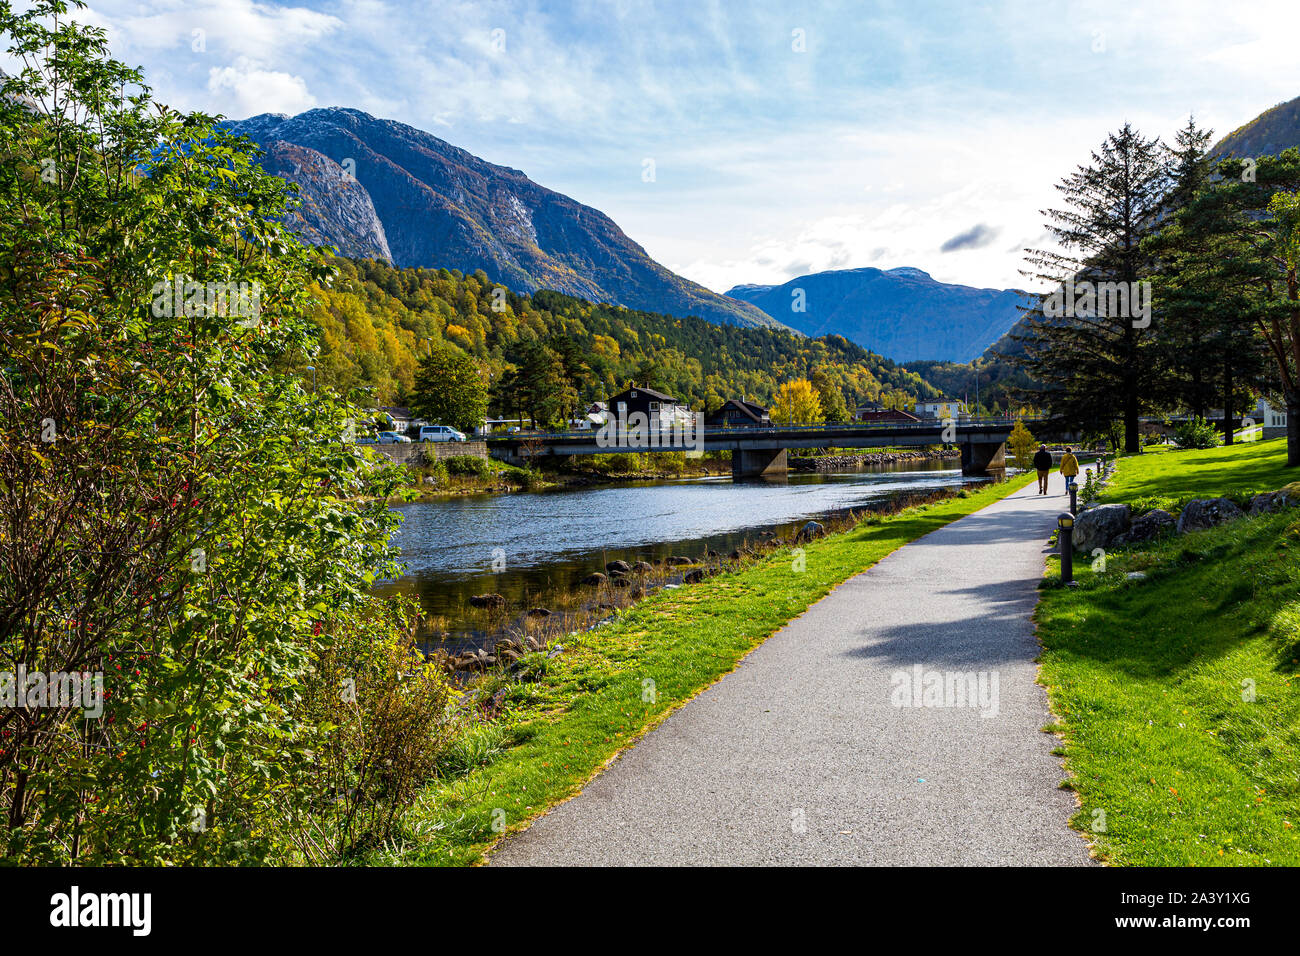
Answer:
(1206, 321)
(1240, 239)
(1088, 343)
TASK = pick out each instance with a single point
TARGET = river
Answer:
(525, 544)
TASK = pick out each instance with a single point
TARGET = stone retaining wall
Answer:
(420, 453)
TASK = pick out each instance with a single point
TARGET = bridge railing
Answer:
(744, 431)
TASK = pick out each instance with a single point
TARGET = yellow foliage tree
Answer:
(797, 403)
(1021, 442)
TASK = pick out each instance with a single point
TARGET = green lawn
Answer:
(1175, 475)
(1177, 695)
(612, 684)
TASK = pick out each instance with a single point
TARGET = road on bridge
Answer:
(810, 753)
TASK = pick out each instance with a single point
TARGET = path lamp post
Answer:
(312, 369)
(1065, 538)
(1074, 499)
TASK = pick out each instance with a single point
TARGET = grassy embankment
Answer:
(1177, 696)
(578, 710)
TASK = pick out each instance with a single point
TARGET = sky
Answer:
(750, 141)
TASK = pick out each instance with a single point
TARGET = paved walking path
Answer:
(801, 757)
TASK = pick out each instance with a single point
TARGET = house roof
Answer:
(396, 411)
(648, 392)
(751, 409)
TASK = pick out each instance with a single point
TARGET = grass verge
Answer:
(614, 683)
(1176, 694)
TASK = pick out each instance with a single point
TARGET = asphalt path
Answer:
(896, 722)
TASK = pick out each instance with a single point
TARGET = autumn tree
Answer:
(797, 403)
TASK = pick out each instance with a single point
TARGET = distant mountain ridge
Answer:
(903, 314)
(1268, 134)
(376, 188)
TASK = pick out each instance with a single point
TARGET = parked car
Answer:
(440, 433)
(392, 438)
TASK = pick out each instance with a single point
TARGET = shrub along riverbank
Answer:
(542, 737)
(1176, 693)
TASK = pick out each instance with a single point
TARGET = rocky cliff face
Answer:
(436, 205)
(902, 314)
(336, 210)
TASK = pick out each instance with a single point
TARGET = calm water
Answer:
(552, 539)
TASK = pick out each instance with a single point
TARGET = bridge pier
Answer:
(979, 458)
(759, 462)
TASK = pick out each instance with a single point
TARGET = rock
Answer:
(539, 612)
(638, 593)
(711, 555)
(618, 567)
(1099, 527)
(475, 660)
(1200, 513)
(619, 582)
(430, 480)
(595, 579)
(812, 529)
(735, 555)
(694, 577)
(1154, 524)
(677, 560)
(1271, 501)
(493, 601)
(1136, 576)
(643, 567)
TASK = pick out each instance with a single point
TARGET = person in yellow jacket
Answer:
(1069, 468)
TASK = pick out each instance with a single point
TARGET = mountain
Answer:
(902, 314)
(376, 321)
(1267, 134)
(378, 188)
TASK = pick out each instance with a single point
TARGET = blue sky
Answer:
(785, 137)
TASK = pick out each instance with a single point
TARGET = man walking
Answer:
(1069, 468)
(1043, 463)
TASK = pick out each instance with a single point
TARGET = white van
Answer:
(440, 433)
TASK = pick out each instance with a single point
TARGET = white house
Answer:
(940, 408)
(1273, 420)
(593, 416)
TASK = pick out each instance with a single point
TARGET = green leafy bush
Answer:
(1197, 433)
(202, 523)
(385, 717)
(467, 466)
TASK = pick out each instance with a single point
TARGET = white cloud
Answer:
(245, 88)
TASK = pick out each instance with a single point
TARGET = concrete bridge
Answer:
(760, 451)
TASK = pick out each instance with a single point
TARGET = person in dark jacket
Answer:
(1043, 462)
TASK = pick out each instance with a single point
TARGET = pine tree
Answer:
(1089, 342)
(1242, 236)
(1206, 324)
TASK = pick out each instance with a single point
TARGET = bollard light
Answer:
(1074, 498)
(1065, 538)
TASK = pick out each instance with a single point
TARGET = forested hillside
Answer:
(377, 321)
